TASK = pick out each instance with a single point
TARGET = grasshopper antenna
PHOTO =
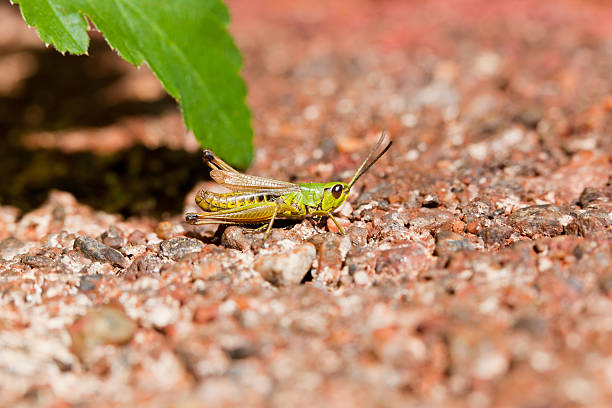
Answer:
(365, 166)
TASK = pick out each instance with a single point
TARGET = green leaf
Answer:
(186, 44)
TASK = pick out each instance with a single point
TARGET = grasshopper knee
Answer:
(192, 218)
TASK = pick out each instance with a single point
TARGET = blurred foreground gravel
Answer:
(477, 266)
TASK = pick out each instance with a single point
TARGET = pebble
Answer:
(206, 313)
(529, 117)
(532, 324)
(36, 261)
(495, 234)
(588, 223)
(10, 247)
(241, 351)
(546, 220)
(177, 248)
(206, 269)
(431, 201)
(97, 251)
(448, 242)
(288, 268)
(411, 257)
(86, 282)
(358, 235)
(113, 238)
(146, 264)
(235, 238)
(161, 316)
(592, 195)
(472, 227)
(489, 365)
(431, 219)
(362, 278)
(137, 237)
(382, 191)
(101, 325)
(164, 229)
(332, 227)
(330, 257)
(605, 283)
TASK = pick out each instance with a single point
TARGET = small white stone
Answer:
(228, 307)
(544, 264)
(579, 390)
(478, 151)
(161, 316)
(541, 361)
(412, 155)
(489, 305)
(361, 278)
(490, 365)
(409, 120)
(417, 348)
(346, 209)
(311, 112)
(487, 63)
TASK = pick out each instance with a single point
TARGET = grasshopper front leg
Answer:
(337, 225)
(267, 233)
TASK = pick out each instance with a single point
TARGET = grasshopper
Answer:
(255, 200)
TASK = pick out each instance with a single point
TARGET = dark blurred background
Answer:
(92, 125)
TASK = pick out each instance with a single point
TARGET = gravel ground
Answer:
(477, 266)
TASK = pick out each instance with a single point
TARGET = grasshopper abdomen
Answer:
(209, 201)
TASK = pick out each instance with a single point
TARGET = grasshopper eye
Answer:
(336, 191)
(208, 156)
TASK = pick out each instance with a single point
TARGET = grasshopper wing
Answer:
(228, 177)
(247, 183)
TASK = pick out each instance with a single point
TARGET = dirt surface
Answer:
(477, 266)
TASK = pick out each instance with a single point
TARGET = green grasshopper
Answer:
(255, 200)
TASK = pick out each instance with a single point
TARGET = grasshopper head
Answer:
(335, 194)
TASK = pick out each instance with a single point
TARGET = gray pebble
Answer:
(86, 283)
(176, 248)
(495, 234)
(448, 242)
(36, 261)
(146, 264)
(97, 251)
